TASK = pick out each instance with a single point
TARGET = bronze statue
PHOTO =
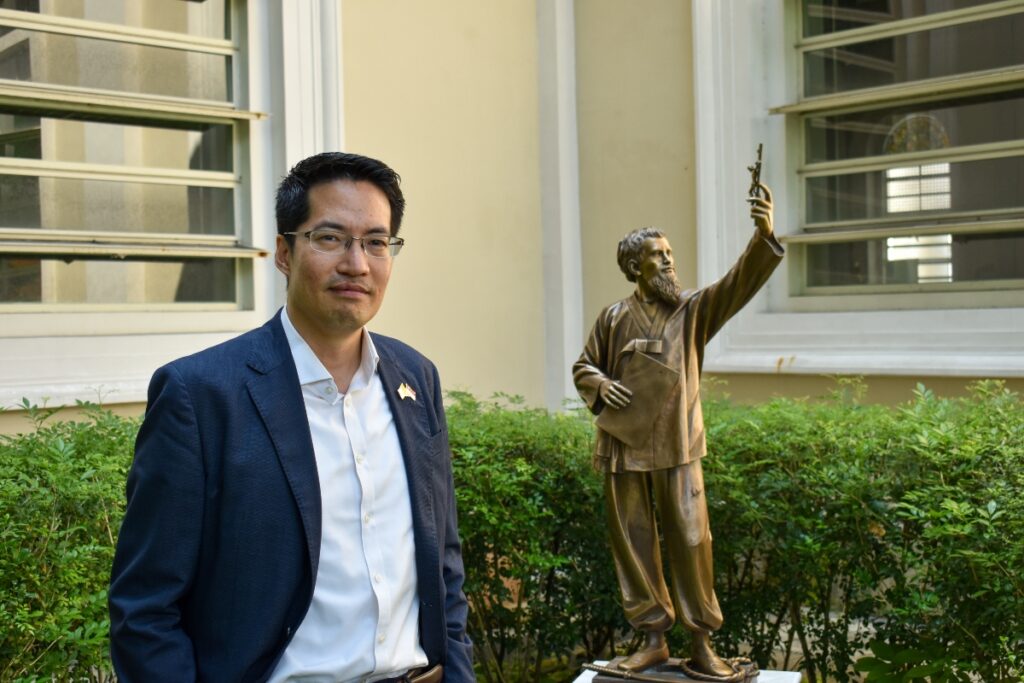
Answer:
(640, 374)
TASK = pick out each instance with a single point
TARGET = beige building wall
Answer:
(634, 76)
(447, 93)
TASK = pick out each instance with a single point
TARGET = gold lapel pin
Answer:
(405, 391)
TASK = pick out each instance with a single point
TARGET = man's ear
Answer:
(633, 266)
(282, 256)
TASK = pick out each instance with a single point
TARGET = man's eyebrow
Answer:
(341, 228)
(329, 224)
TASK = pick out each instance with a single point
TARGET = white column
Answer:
(307, 86)
(309, 102)
(332, 76)
(301, 79)
(560, 203)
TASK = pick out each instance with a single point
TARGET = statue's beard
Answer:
(666, 288)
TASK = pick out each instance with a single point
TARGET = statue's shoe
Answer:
(708, 662)
(646, 658)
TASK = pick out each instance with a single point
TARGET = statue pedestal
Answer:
(670, 673)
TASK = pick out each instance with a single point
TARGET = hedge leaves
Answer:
(856, 542)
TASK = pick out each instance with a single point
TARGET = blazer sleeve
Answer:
(458, 665)
(158, 544)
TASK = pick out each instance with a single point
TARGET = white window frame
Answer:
(57, 354)
(746, 76)
(55, 243)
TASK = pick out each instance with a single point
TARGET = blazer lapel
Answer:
(411, 424)
(278, 398)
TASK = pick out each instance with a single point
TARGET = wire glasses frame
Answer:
(331, 241)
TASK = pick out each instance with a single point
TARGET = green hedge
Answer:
(884, 543)
(61, 501)
(531, 519)
(854, 529)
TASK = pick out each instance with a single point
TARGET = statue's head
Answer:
(645, 257)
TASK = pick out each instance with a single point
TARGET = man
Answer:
(640, 373)
(291, 515)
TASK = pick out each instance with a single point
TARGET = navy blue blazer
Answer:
(220, 542)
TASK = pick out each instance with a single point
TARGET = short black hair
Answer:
(631, 248)
(292, 209)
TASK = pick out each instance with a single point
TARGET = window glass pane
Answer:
(208, 18)
(974, 121)
(70, 204)
(19, 279)
(828, 16)
(965, 186)
(947, 51)
(109, 65)
(917, 260)
(53, 281)
(34, 135)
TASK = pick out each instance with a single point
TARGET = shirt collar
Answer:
(309, 367)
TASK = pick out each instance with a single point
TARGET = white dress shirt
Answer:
(363, 622)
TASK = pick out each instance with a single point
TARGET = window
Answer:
(122, 156)
(881, 276)
(911, 166)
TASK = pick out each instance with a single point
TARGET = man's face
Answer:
(337, 293)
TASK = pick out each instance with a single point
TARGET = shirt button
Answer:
(366, 518)
(359, 459)
(381, 638)
(376, 577)
(328, 390)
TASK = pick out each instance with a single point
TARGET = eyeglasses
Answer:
(331, 241)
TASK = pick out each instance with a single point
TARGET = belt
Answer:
(421, 675)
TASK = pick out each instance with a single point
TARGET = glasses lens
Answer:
(327, 241)
(377, 246)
